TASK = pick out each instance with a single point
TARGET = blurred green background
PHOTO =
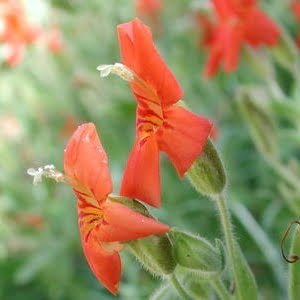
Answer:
(43, 99)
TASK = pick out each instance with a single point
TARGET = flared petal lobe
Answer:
(148, 7)
(86, 163)
(141, 177)
(105, 265)
(259, 29)
(140, 55)
(295, 5)
(222, 8)
(216, 52)
(238, 22)
(232, 46)
(183, 137)
(123, 224)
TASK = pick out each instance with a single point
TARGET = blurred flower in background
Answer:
(150, 11)
(149, 8)
(10, 128)
(295, 6)
(207, 26)
(54, 39)
(18, 29)
(238, 23)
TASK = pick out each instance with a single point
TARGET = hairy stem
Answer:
(220, 289)
(178, 287)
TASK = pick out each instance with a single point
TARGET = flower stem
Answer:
(285, 174)
(227, 231)
(178, 287)
(269, 250)
(220, 289)
(245, 285)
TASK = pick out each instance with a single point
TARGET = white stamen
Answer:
(48, 171)
(118, 69)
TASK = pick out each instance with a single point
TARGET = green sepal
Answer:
(207, 173)
(196, 254)
(285, 51)
(155, 253)
(259, 121)
(131, 203)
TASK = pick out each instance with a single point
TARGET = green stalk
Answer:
(294, 268)
(245, 285)
(220, 289)
(178, 287)
(266, 246)
(285, 174)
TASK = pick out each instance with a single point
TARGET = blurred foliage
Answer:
(43, 99)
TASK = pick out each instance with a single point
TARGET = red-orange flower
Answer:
(103, 223)
(208, 29)
(161, 124)
(297, 41)
(296, 9)
(148, 8)
(17, 31)
(54, 40)
(239, 22)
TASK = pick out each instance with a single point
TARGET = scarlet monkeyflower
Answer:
(161, 123)
(69, 125)
(54, 40)
(103, 223)
(295, 5)
(148, 8)
(207, 27)
(238, 22)
(17, 31)
(30, 220)
(297, 41)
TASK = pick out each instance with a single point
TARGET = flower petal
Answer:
(86, 164)
(148, 7)
(260, 29)
(105, 265)
(216, 52)
(124, 224)
(232, 47)
(222, 8)
(213, 62)
(183, 137)
(140, 55)
(141, 177)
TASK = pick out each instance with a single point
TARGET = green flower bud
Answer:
(259, 121)
(260, 62)
(155, 254)
(207, 173)
(285, 52)
(196, 254)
